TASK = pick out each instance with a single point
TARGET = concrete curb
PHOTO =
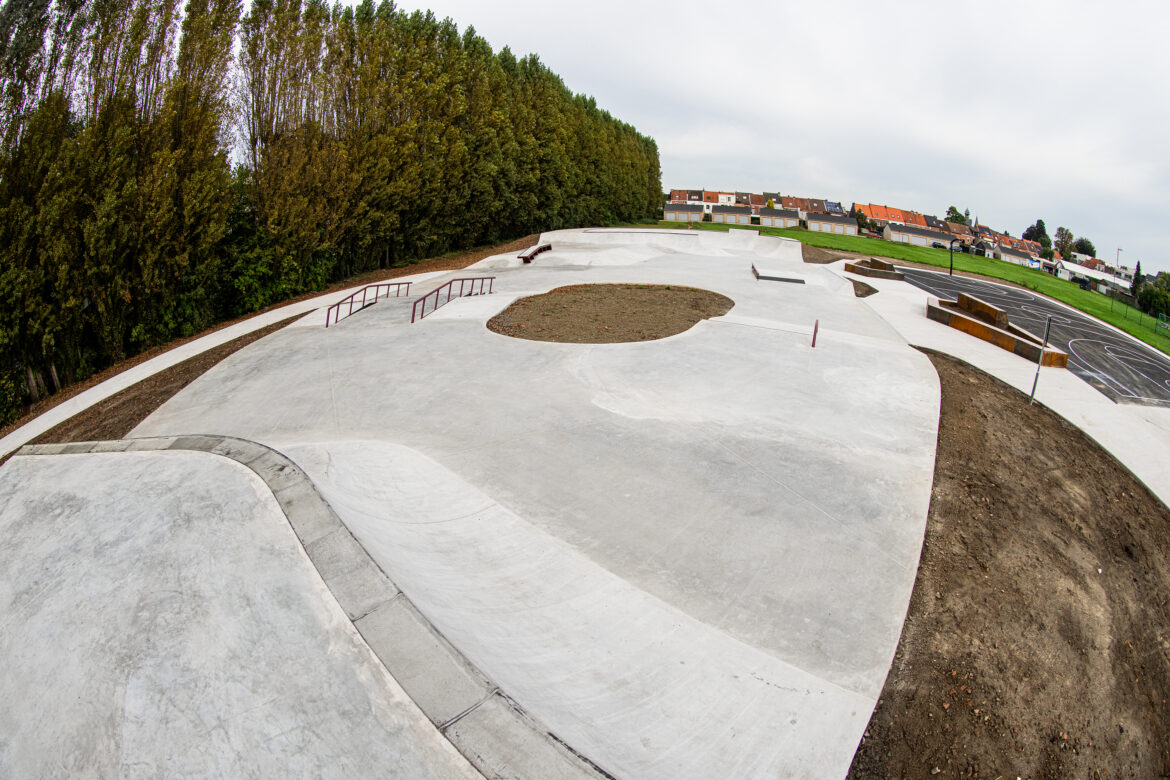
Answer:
(490, 729)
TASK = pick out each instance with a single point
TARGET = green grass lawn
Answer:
(1102, 307)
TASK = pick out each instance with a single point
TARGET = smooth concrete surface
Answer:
(313, 309)
(1136, 435)
(701, 532)
(592, 656)
(449, 690)
(160, 618)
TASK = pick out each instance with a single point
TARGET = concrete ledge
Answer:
(1015, 339)
(768, 275)
(980, 309)
(875, 269)
(483, 724)
(432, 672)
(501, 741)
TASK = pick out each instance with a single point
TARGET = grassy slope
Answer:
(1103, 308)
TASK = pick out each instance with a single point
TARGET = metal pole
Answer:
(1040, 361)
(953, 240)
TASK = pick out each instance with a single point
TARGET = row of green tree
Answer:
(165, 165)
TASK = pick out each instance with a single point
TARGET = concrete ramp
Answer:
(615, 672)
(161, 619)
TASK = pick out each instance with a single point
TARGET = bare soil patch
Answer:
(119, 414)
(821, 256)
(445, 263)
(862, 290)
(609, 313)
(1038, 637)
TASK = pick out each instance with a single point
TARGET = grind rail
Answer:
(363, 298)
(467, 287)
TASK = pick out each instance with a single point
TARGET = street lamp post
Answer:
(953, 240)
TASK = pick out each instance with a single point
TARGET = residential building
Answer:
(803, 205)
(732, 215)
(686, 196)
(880, 216)
(914, 219)
(1012, 255)
(781, 218)
(752, 200)
(1091, 278)
(832, 223)
(959, 230)
(916, 236)
(683, 212)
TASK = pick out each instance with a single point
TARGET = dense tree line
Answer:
(167, 165)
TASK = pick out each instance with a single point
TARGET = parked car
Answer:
(938, 245)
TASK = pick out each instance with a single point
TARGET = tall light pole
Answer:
(1117, 261)
(953, 240)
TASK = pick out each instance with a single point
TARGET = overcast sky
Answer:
(1015, 110)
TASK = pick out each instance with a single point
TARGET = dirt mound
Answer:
(609, 313)
(1038, 638)
(821, 256)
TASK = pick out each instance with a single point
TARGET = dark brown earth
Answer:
(822, 256)
(608, 313)
(119, 414)
(862, 290)
(445, 263)
(1037, 643)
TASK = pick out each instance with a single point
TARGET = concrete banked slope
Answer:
(687, 557)
(161, 620)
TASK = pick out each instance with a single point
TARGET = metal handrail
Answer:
(366, 300)
(467, 286)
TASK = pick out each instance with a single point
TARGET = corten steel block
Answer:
(865, 268)
(1056, 358)
(984, 310)
(1022, 345)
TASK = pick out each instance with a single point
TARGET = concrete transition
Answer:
(684, 557)
(161, 620)
(991, 324)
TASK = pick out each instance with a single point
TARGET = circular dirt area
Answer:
(609, 313)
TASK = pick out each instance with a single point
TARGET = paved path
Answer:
(1119, 366)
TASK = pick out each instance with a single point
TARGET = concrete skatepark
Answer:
(421, 549)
